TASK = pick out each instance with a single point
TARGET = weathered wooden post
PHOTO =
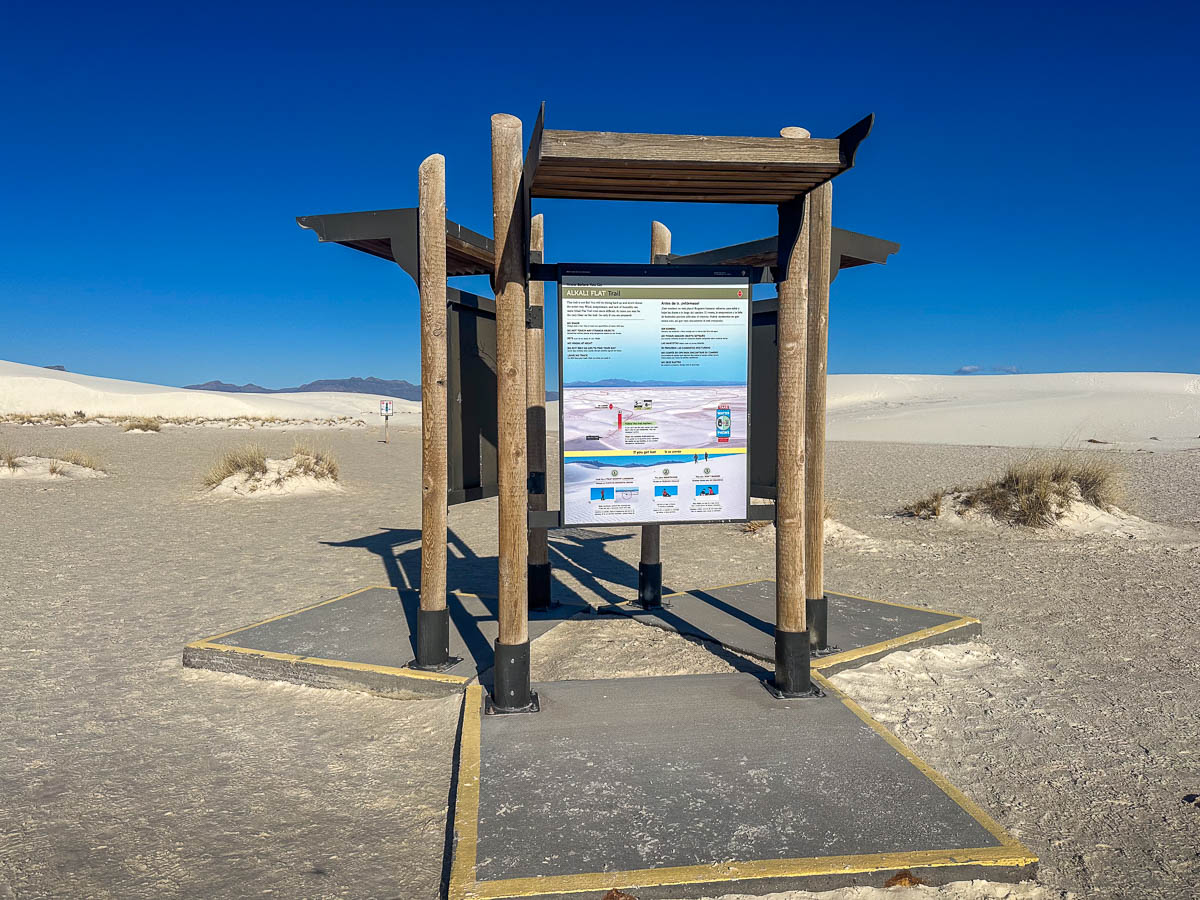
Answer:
(535, 423)
(650, 565)
(792, 651)
(510, 690)
(433, 618)
(820, 232)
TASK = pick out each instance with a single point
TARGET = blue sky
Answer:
(1037, 164)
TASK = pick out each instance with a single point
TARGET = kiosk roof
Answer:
(604, 165)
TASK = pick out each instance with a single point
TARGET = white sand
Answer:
(836, 535)
(1055, 410)
(34, 390)
(1077, 518)
(280, 480)
(37, 468)
(1122, 410)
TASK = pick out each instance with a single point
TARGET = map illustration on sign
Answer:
(654, 402)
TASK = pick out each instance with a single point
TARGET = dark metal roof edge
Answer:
(848, 244)
(852, 138)
(399, 227)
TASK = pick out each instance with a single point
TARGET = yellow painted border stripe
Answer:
(466, 805)
(463, 885)
(824, 662)
(213, 643)
(733, 871)
(332, 663)
(972, 809)
(936, 612)
(225, 634)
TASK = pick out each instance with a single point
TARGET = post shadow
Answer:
(399, 560)
(467, 572)
(585, 555)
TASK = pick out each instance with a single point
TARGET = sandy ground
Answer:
(123, 775)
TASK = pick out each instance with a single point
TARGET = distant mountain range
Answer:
(402, 390)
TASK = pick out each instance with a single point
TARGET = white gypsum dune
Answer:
(1051, 410)
(35, 390)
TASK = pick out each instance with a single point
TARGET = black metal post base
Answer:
(539, 586)
(433, 641)
(793, 673)
(510, 689)
(816, 615)
(650, 585)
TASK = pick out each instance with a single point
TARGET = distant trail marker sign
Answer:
(385, 410)
(655, 400)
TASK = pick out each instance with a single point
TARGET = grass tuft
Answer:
(142, 423)
(314, 462)
(927, 507)
(10, 459)
(75, 458)
(1035, 492)
(250, 459)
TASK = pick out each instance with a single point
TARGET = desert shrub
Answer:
(314, 462)
(75, 458)
(9, 458)
(1034, 492)
(80, 414)
(57, 467)
(142, 423)
(249, 459)
(927, 507)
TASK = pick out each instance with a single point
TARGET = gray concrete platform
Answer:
(741, 617)
(703, 784)
(364, 641)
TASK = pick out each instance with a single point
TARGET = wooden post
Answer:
(433, 618)
(650, 565)
(792, 652)
(820, 213)
(510, 690)
(535, 424)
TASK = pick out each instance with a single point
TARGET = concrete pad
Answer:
(703, 784)
(741, 617)
(364, 641)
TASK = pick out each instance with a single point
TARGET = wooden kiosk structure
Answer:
(792, 172)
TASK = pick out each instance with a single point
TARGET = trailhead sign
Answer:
(655, 395)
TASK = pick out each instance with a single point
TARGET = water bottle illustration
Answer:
(724, 424)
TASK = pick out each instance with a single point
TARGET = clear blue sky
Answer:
(1037, 163)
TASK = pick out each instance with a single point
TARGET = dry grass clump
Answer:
(1035, 492)
(57, 467)
(142, 423)
(9, 458)
(250, 459)
(75, 458)
(315, 463)
(927, 507)
(756, 525)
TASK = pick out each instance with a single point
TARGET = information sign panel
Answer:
(654, 409)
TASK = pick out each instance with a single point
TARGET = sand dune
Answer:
(1018, 410)
(1147, 410)
(32, 389)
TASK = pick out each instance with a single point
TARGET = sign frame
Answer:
(668, 275)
